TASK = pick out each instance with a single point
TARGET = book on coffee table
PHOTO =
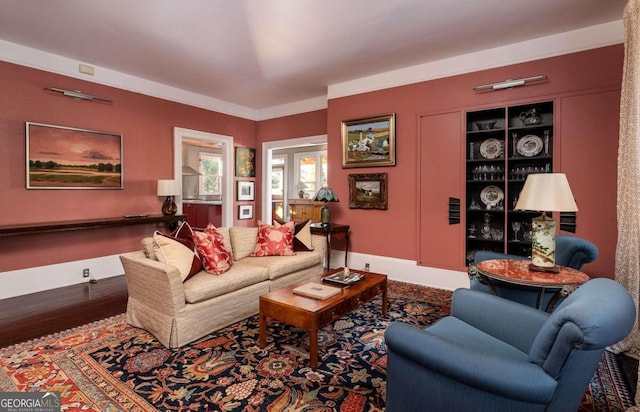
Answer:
(316, 290)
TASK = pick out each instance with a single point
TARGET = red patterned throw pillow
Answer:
(215, 257)
(274, 241)
(178, 249)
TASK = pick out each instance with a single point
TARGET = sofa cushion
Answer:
(178, 252)
(215, 257)
(279, 266)
(301, 235)
(243, 241)
(226, 238)
(203, 286)
(274, 241)
(147, 247)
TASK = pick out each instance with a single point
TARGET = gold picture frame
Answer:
(60, 157)
(370, 141)
(368, 191)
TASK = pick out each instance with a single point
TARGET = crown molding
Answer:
(592, 37)
(38, 59)
(569, 42)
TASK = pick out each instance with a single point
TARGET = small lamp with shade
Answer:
(325, 195)
(545, 192)
(301, 186)
(168, 188)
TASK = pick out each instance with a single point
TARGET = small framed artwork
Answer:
(368, 191)
(245, 162)
(370, 141)
(61, 157)
(245, 212)
(246, 190)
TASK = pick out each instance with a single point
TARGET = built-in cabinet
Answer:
(503, 146)
(199, 215)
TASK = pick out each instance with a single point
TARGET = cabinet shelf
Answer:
(528, 128)
(485, 132)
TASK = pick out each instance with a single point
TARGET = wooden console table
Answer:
(64, 226)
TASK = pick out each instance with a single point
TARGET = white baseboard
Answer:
(404, 270)
(24, 281)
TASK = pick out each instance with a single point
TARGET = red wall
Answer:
(394, 232)
(146, 124)
(288, 127)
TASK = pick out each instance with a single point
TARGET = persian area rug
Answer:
(111, 366)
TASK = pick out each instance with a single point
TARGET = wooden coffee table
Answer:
(312, 314)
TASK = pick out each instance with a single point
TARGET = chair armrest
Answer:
(523, 381)
(509, 321)
(153, 283)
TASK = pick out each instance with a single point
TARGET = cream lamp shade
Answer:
(545, 192)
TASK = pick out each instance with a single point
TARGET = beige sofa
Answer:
(177, 313)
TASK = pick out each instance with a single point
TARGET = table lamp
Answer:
(168, 188)
(325, 195)
(545, 192)
(301, 186)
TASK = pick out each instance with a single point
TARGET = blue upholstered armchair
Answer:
(493, 354)
(571, 251)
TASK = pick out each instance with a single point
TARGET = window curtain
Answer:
(627, 266)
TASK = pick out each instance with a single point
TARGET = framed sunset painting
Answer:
(61, 157)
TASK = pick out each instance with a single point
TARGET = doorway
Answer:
(226, 144)
(267, 166)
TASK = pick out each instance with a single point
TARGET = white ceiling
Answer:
(263, 53)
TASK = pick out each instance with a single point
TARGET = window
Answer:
(211, 170)
(311, 169)
(277, 177)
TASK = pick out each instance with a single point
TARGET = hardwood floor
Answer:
(38, 314)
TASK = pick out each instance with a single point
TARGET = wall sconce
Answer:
(77, 94)
(510, 83)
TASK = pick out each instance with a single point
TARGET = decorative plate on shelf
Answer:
(491, 195)
(491, 148)
(529, 145)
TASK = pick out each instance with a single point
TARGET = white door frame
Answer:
(267, 153)
(227, 166)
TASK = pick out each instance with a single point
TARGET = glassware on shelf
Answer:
(486, 226)
(546, 141)
(516, 228)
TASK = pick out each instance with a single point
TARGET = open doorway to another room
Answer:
(203, 163)
(302, 161)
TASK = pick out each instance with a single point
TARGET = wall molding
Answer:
(558, 44)
(543, 47)
(37, 279)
